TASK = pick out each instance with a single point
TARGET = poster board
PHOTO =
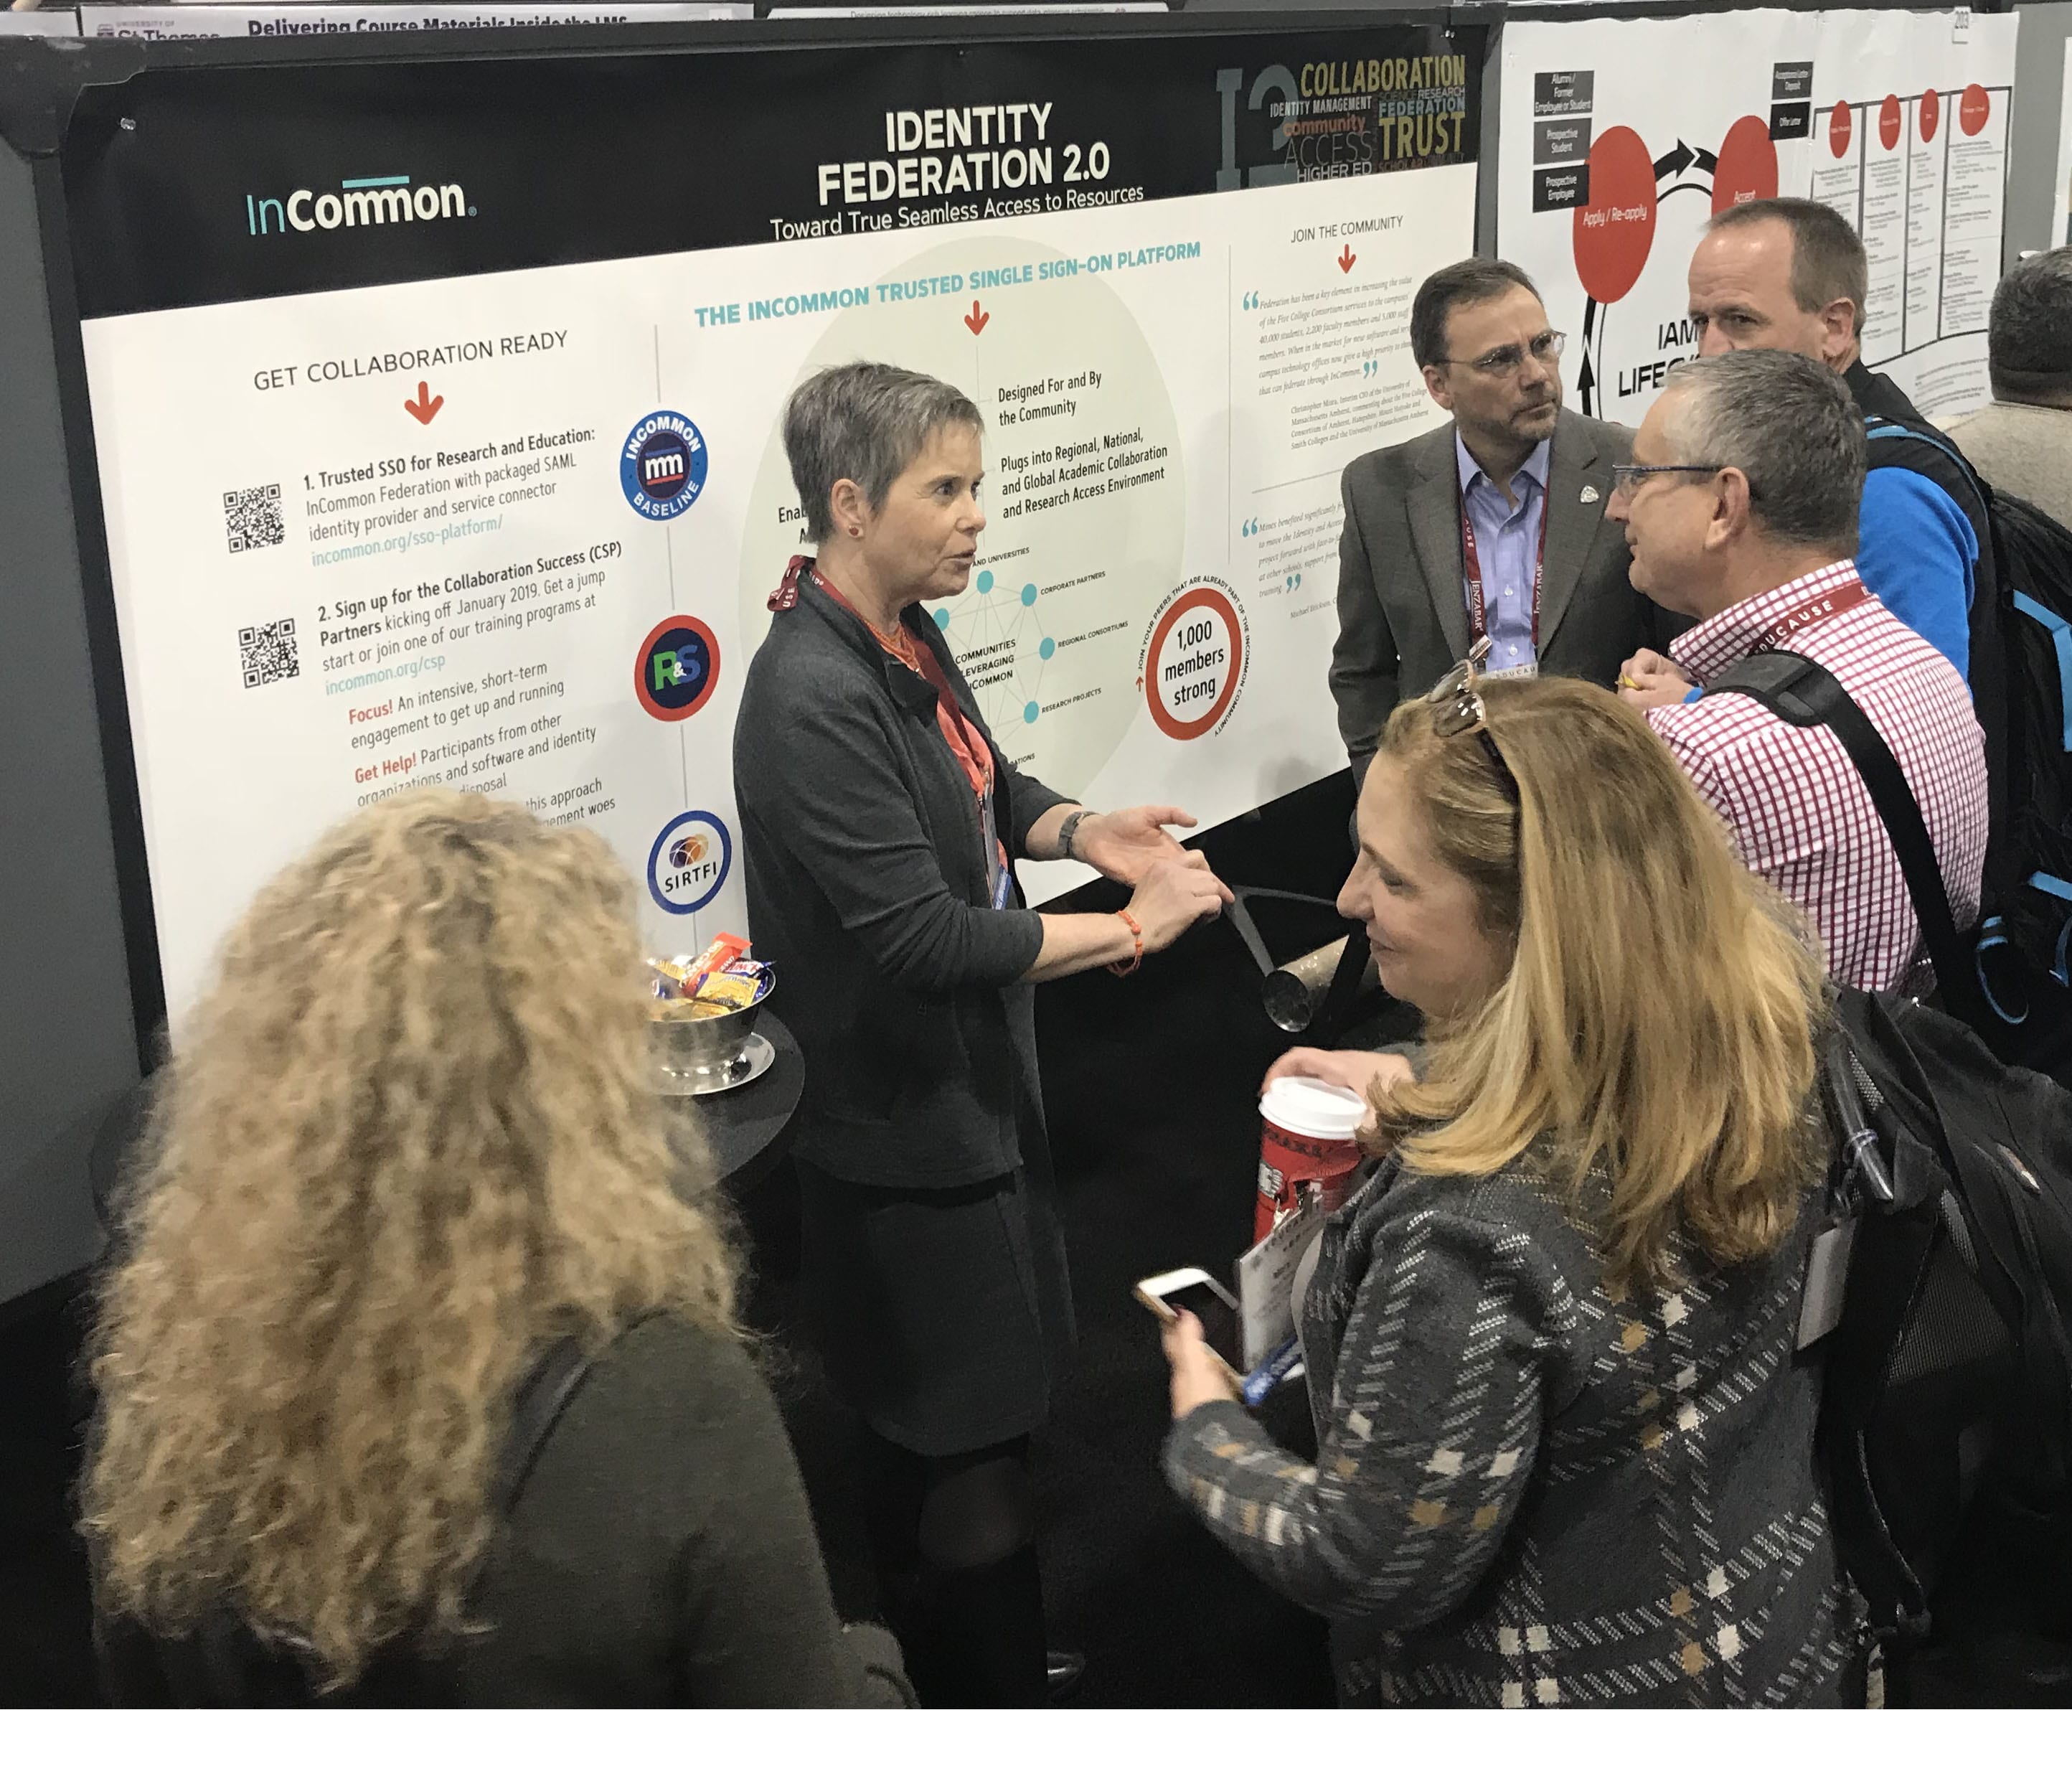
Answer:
(313, 18)
(437, 436)
(2061, 213)
(62, 22)
(1620, 137)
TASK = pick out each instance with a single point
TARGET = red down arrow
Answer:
(425, 407)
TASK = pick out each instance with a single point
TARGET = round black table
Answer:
(747, 1129)
(750, 1128)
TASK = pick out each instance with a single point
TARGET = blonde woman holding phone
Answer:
(1565, 1456)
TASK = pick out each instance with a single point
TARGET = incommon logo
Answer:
(357, 202)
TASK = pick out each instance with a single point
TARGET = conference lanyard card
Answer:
(1266, 1283)
(999, 876)
(1826, 1282)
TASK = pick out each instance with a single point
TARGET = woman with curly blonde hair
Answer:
(1565, 1454)
(406, 1150)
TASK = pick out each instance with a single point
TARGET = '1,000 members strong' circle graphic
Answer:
(662, 467)
(1194, 659)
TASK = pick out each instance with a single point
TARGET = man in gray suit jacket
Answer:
(1530, 476)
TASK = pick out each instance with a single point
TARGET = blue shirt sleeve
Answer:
(1917, 555)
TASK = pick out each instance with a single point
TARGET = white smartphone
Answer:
(1166, 1295)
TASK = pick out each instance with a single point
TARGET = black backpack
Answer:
(2022, 682)
(1940, 1295)
(1978, 972)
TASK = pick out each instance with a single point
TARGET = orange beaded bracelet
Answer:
(1120, 968)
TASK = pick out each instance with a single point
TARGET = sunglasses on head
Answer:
(1458, 710)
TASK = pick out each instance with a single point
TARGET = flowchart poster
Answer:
(1621, 137)
(487, 486)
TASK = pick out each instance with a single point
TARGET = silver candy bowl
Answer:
(703, 1057)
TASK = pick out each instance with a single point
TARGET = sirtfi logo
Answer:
(691, 858)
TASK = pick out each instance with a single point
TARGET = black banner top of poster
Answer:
(197, 173)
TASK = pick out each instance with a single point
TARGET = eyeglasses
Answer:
(1626, 476)
(1510, 358)
(1459, 710)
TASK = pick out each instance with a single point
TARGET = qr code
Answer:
(268, 653)
(252, 518)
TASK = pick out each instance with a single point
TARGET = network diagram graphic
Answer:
(997, 637)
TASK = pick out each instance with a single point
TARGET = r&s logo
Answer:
(677, 668)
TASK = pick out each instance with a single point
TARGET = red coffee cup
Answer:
(1306, 1147)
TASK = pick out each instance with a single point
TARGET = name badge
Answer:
(999, 879)
(1826, 1282)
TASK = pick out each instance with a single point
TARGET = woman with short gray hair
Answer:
(880, 823)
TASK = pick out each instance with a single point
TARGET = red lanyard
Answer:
(1478, 619)
(967, 744)
(1811, 613)
(971, 751)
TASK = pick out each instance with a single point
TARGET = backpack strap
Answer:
(2060, 631)
(546, 1391)
(1878, 429)
(1803, 694)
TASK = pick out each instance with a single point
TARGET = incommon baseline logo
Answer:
(357, 202)
(662, 467)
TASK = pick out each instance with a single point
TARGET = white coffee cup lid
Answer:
(1311, 1109)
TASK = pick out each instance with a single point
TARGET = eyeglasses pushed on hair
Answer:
(1458, 710)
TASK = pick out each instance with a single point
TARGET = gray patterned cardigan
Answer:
(1532, 1488)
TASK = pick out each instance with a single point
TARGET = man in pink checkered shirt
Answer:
(1741, 509)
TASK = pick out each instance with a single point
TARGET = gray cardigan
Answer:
(1531, 1489)
(867, 886)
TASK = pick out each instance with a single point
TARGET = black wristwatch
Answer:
(1066, 831)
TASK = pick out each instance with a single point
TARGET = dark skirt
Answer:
(945, 1313)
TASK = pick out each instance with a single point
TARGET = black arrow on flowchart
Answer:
(1674, 161)
(1585, 381)
(1705, 161)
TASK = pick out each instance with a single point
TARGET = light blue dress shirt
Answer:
(1507, 543)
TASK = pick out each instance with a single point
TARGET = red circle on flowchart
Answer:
(1973, 109)
(1931, 113)
(1747, 165)
(1841, 126)
(1615, 230)
(1891, 120)
(1210, 617)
